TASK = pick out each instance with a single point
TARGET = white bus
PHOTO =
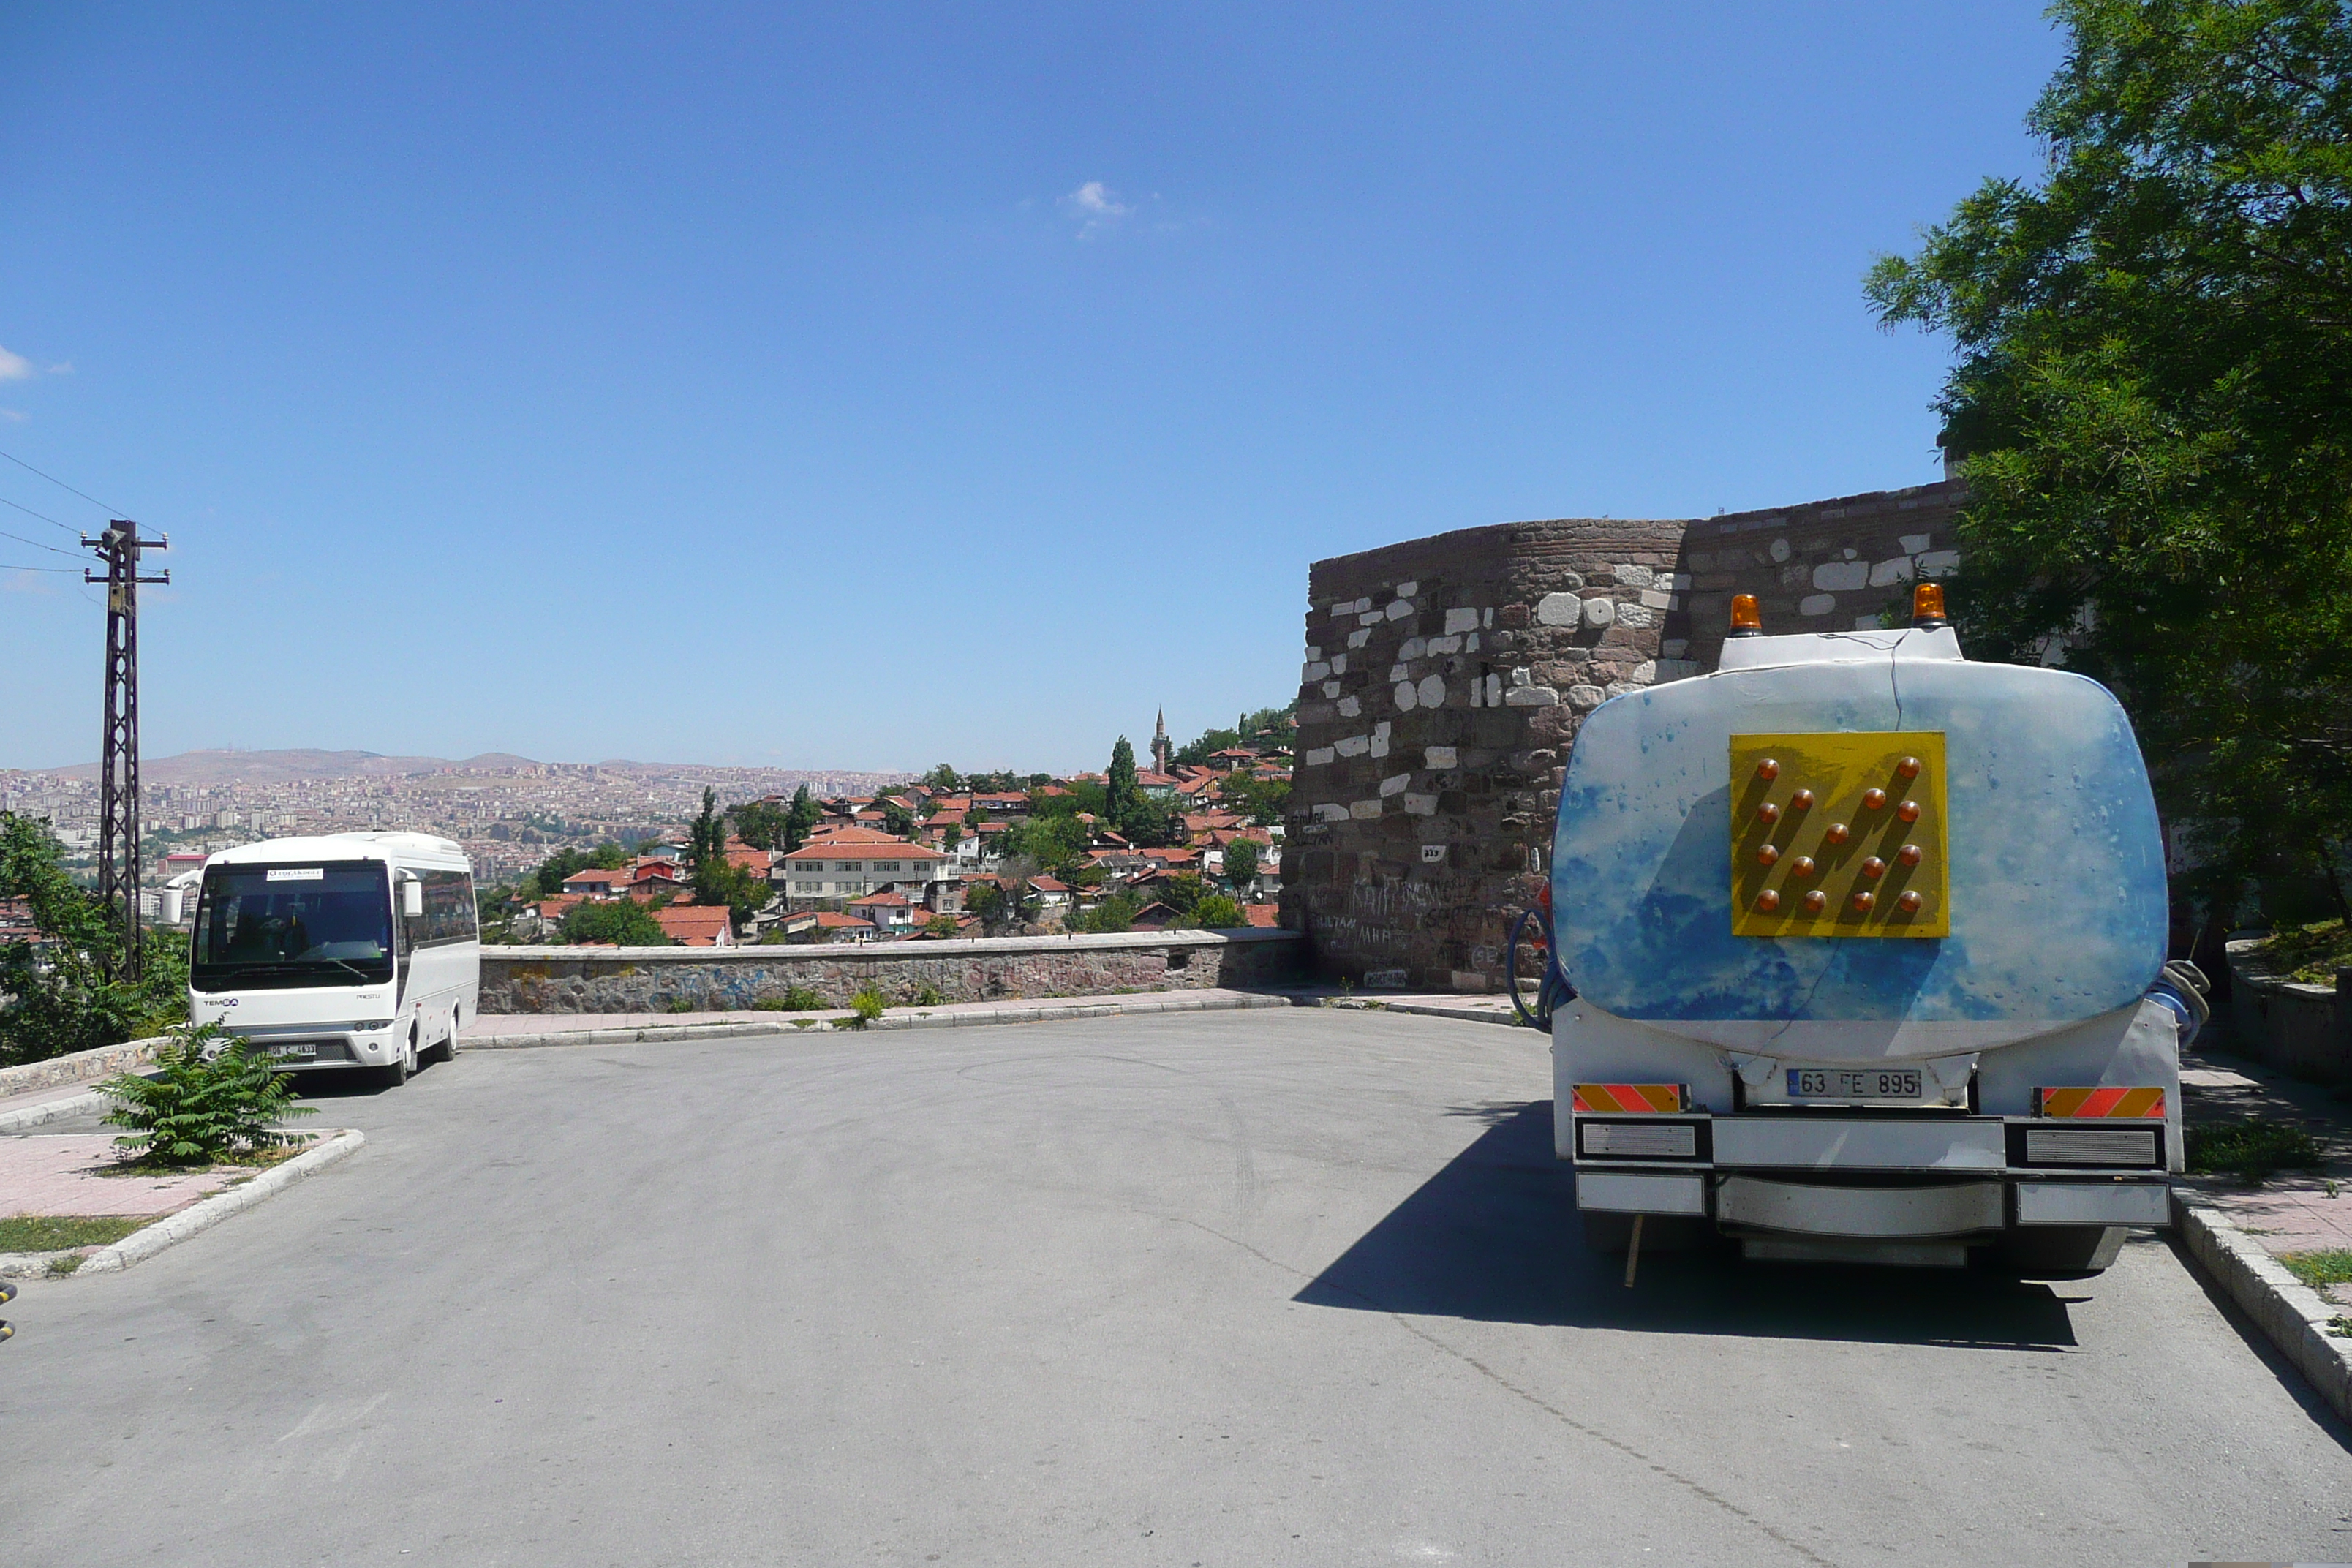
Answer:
(355, 951)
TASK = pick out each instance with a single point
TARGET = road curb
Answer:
(833, 1021)
(24, 1117)
(142, 1245)
(2290, 1313)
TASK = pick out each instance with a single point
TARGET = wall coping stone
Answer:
(894, 951)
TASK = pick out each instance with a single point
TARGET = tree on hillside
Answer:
(896, 820)
(56, 996)
(758, 822)
(2152, 406)
(547, 879)
(802, 819)
(624, 922)
(1116, 913)
(1218, 912)
(942, 778)
(1241, 862)
(1054, 843)
(1121, 791)
(706, 840)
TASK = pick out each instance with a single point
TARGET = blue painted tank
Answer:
(2054, 882)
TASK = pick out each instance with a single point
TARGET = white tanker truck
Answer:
(1867, 943)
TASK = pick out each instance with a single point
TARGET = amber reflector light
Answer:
(1747, 617)
(1927, 604)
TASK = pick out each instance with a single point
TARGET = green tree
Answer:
(2152, 406)
(896, 820)
(801, 820)
(547, 879)
(1241, 862)
(758, 822)
(1121, 792)
(706, 840)
(940, 925)
(56, 993)
(624, 922)
(1113, 914)
(1218, 912)
(1054, 843)
(1182, 892)
(942, 778)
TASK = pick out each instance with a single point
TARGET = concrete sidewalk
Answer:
(2293, 1211)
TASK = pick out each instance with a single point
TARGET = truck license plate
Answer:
(297, 1052)
(1853, 1083)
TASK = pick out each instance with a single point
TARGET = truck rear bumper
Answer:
(1750, 1204)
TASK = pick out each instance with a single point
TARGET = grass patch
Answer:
(2311, 953)
(243, 1160)
(48, 1233)
(679, 1004)
(60, 1267)
(795, 999)
(2333, 1267)
(2252, 1150)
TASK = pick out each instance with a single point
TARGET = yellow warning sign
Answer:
(1839, 834)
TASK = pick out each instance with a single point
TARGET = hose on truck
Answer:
(1553, 988)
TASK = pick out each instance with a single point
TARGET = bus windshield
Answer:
(292, 925)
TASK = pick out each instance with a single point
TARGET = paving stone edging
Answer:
(835, 1022)
(2290, 1312)
(142, 1245)
(22, 1118)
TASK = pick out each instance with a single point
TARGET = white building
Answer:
(850, 862)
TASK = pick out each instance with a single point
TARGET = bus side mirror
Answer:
(411, 900)
(168, 907)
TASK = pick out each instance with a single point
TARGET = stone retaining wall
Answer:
(1445, 679)
(2297, 1027)
(652, 979)
(81, 1066)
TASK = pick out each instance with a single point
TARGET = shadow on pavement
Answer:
(1495, 1237)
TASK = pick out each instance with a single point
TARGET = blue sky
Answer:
(863, 386)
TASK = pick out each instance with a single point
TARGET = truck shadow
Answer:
(1495, 1237)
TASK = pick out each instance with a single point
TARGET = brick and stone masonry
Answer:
(1444, 680)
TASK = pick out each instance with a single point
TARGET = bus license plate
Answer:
(1853, 1083)
(297, 1052)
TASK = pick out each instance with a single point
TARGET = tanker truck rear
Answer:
(1868, 948)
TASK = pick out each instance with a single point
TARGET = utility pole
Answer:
(117, 764)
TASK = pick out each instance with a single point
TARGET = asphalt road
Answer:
(1221, 1288)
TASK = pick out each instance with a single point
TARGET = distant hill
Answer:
(221, 767)
(275, 767)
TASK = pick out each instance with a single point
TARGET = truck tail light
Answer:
(2137, 1104)
(1631, 1099)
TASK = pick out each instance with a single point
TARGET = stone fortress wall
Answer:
(1445, 678)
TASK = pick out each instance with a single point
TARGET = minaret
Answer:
(1160, 747)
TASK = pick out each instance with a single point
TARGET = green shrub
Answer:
(679, 1004)
(2253, 1150)
(795, 999)
(868, 1005)
(927, 995)
(212, 1096)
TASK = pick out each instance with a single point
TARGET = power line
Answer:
(39, 546)
(6, 567)
(29, 511)
(61, 485)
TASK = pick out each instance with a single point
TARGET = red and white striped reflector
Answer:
(2141, 1104)
(1636, 1099)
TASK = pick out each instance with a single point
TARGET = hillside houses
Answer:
(854, 879)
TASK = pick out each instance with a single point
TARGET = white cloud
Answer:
(15, 367)
(14, 416)
(1096, 207)
(63, 367)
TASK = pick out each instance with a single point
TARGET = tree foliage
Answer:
(1116, 913)
(760, 823)
(1241, 862)
(624, 922)
(57, 994)
(802, 819)
(1121, 794)
(1218, 912)
(547, 879)
(2152, 405)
